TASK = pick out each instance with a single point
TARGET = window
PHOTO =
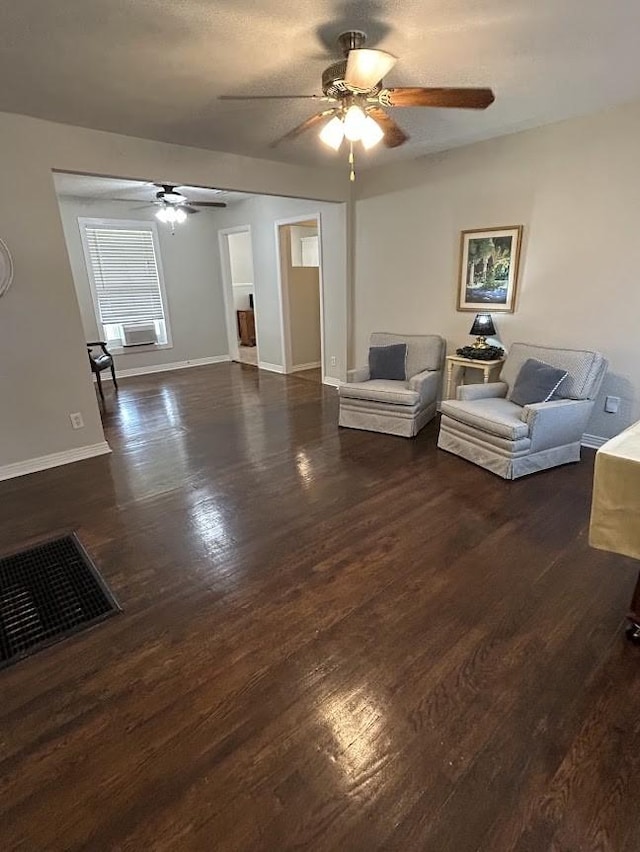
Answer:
(123, 264)
(305, 250)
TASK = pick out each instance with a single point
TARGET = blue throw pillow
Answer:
(388, 362)
(536, 382)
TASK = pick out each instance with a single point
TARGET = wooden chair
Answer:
(101, 362)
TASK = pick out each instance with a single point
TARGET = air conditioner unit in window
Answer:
(139, 335)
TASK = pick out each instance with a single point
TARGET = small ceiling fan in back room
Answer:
(174, 207)
(357, 101)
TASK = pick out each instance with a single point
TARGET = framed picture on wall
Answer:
(489, 260)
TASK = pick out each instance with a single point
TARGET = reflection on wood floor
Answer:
(331, 640)
(313, 375)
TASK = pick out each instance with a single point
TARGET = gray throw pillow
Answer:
(388, 362)
(536, 382)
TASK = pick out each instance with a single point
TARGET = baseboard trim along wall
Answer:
(272, 368)
(9, 471)
(300, 367)
(593, 441)
(164, 368)
(329, 380)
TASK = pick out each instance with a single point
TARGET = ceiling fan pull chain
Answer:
(352, 171)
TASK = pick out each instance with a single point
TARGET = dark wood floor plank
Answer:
(331, 639)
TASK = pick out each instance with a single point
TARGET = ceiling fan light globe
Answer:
(161, 215)
(365, 68)
(372, 133)
(181, 215)
(174, 197)
(354, 122)
(332, 133)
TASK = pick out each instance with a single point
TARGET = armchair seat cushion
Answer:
(381, 390)
(101, 362)
(496, 416)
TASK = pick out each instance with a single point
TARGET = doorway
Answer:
(301, 292)
(236, 256)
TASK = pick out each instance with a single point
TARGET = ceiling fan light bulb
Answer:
(332, 133)
(372, 133)
(354, 122)
(181, 215)
(161, 215)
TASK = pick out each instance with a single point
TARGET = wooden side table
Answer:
(455, 362)
(246, 328)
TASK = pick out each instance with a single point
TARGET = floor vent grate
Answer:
(47, 593)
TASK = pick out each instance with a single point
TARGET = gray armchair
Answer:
(396, 407)
(485, 427)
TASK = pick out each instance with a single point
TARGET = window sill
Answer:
(134, 350)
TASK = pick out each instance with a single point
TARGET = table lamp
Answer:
(482, 326)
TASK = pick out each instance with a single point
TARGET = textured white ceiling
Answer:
(154, 68)
(120, 189)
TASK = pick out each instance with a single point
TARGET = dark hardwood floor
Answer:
(331, 640)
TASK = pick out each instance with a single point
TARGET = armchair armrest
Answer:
(426, 384)
(359, 375)
(491, 389)
(555, 423)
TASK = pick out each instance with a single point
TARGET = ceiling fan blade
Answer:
(188, 208)
(207, 204)
(394, 135)
(311, 122)
(367, 67)
(271, 97)
(416, 96)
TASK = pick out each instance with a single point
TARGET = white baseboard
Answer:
(9, 471)
(300, 367)
(593, 441)
(165, 368)
(272, 368)
(329, 380)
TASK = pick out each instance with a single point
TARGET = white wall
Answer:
(241, 293)
(43, 391)
(261, 213)
(575, 186)
(241, 265)
(241, 258)
(195, 301)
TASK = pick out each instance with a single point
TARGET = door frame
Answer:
(283, 291)
(227, 290)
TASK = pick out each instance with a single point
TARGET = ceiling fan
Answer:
(357, 100)
(174, 206)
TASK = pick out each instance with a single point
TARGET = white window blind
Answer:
(125, 275)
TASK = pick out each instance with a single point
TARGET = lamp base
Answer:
(481, 343)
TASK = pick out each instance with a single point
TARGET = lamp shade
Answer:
(483, 325)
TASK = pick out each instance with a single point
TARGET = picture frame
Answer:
(489, 266)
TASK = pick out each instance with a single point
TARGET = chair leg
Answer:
(99, 381)
(113, 376)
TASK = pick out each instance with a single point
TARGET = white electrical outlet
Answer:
(611, 404)
(334, 360)
(76, 420)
